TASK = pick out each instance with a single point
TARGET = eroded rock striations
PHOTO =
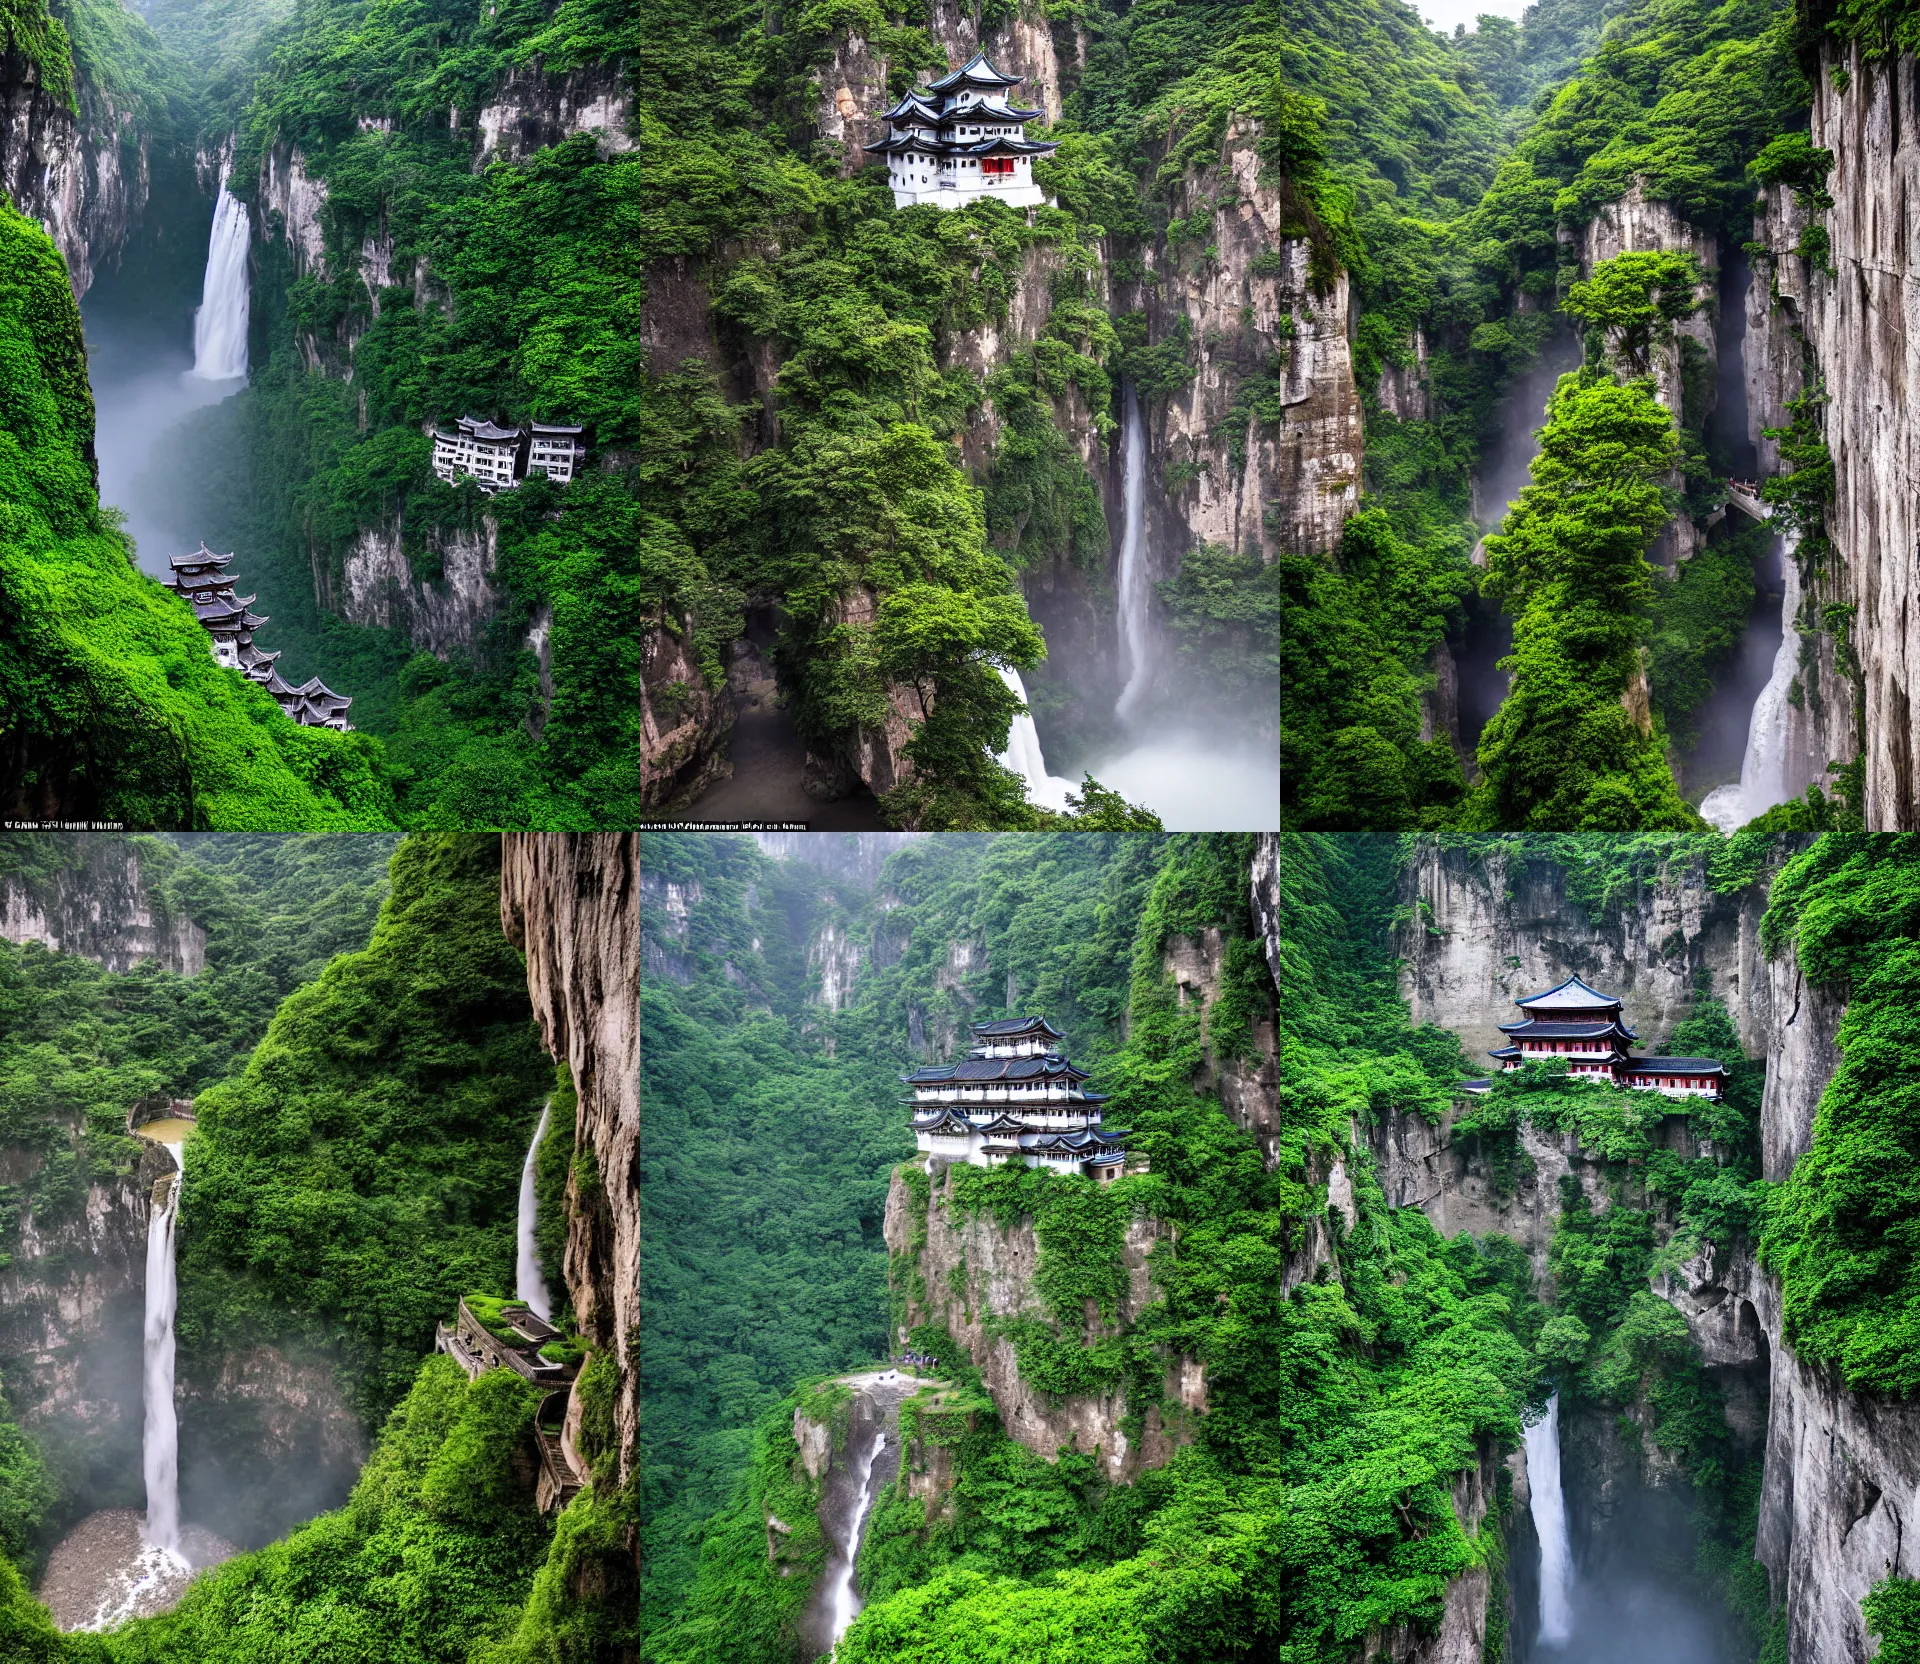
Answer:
(98, 904)
(571, 903)
(1320, 442)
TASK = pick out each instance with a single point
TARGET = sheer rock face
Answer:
(72, 173)
(102, 909)
(1317, 468)
(1460, 1635)
(377, 586)
(1020, 45)
(684, 723)
(531, 110)
(571, 903)
(1486, 926)
(994, 1267)
(853, 92)
(855, 857)
(1868, 349)
(1248, 1087)
(1237, 310)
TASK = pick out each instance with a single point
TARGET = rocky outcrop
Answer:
(852, 91)
(85, 177)
(972, 1275)
(1868, 350)
(91, 898)
(531, 109)
(1637, 222)
(873, 755)
(1265, 876)
(289, 200)
(1218, 283)
(1021, 45)
(835, 958)
(1459, 1637)
(684, 723)
(377, 585)
(1485, 924)
(571, 903)
(1317, 453)
(1247, 1085)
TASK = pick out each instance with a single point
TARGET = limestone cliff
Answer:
(94, 901)
(1868, 352)
(571, 903)
(972, 1275)
(1317, 466)
(376, 585)
(83, 174)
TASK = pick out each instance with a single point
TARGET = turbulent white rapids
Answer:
(1763, 770)
(528, 1284)
(844, 1603)
(220, 323)
(1022, 754)
(1133, 563)
(1549, 1508)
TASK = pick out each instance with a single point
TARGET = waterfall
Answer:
(220, 322)
(1763, 770)
(162, 1449)
(843, 1603)
(1133, 565)
(1022, 754)
(1550, 1523)
(528, 1284)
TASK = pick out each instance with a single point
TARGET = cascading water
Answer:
(1023, 756)
(843, 1602)
(1549, 1508)
(528, 1284)
(1763, 769)
(159, 1566)
(1133, 564)
(220, 322)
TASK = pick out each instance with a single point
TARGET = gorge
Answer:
(291, 1355)
(1535, 211)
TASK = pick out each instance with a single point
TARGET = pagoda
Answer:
(201, 580)
(1015, 1097)
(1584, 1027)
(960, 140)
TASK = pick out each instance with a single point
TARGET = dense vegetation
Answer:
(1448, 232)
(1839, 1230)
(363, 1171)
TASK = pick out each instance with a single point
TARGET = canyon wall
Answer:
(92, 899)
(1317, 465)
(1868, 350)
(83, 174)
(571, 903)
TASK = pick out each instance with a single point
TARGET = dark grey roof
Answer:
(1015, 1025)
(990, 109)
(201, 557)
(556, 428)
(1504, 1051)
(1678, 1065)
(977, 70)
(1004, 146)
(1482, 1085)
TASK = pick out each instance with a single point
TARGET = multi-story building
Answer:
(501, 457)
(960, 141)
(556, 450)
(1584, 1028)
(1015, 1098)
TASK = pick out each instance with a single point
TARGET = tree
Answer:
(1634, 293)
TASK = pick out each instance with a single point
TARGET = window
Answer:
(997, 164)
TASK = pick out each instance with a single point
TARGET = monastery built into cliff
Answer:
(1584, 1028)
(201, 580)
(1015, 1097)
(501, 457)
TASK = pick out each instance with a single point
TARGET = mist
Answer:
(1197, 782)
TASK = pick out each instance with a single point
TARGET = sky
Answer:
(1444, 14)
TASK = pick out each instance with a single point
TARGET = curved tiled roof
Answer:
(1571, 995)
(1678, 1065)
(1535, 1029)
(1015, 1025)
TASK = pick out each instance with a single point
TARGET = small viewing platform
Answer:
(503, 1334)
(1745, 496)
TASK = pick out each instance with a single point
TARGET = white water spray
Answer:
(842, 1603)
(1022, 754)
(1133, 564)
(1763, 770)
(1549, 1508)
(220, 323)
(528, 1284)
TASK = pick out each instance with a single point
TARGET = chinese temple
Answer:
(960, 140)
(201, 580)
(1584, 1028)
(1015, 1097)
